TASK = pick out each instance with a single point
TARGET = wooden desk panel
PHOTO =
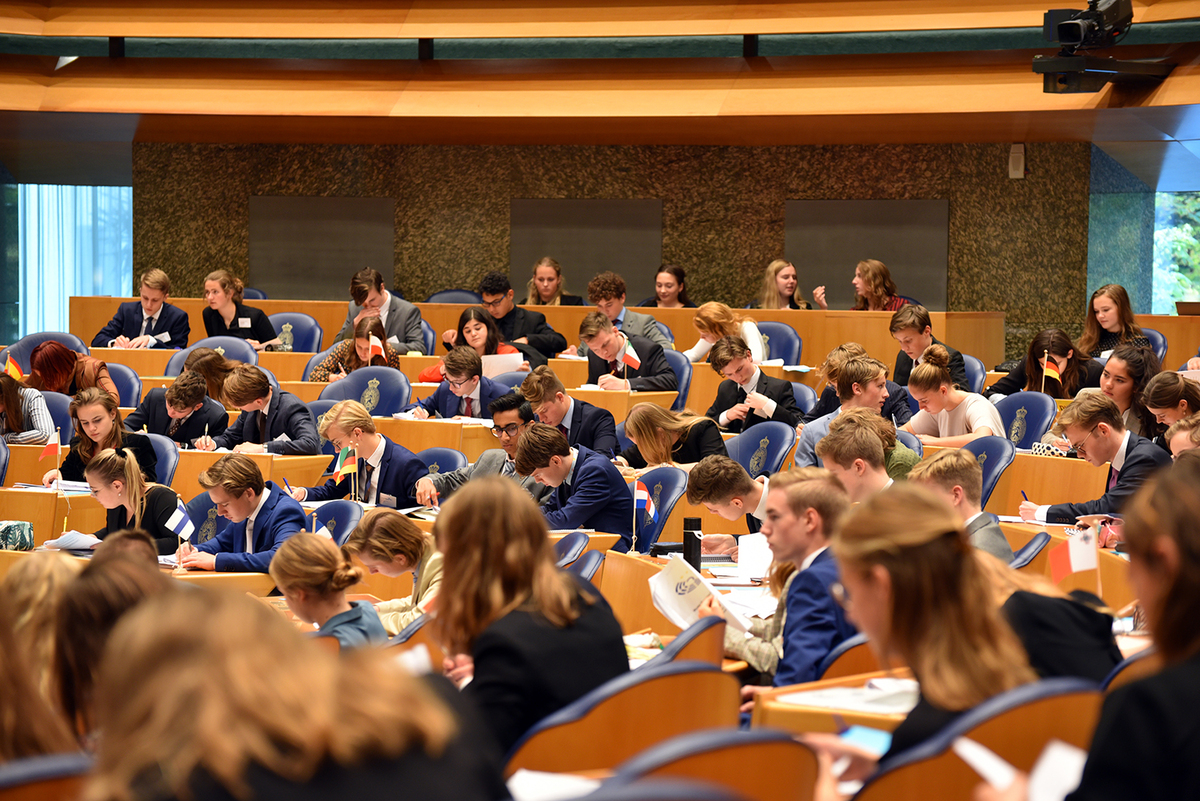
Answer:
(259, 584)
(47, 510)
(1182, 333)
(307, 391)
(284, 366)
(143, 362)
(769, 711)
(417, 435)
(619, 403)
(626, 589)
(1046, 479)
(1110, 581)
(150, 382)
(193, 463)
(300, 471)
(571, 372)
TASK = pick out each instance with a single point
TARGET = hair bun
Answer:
(345, 576)
(937, 355)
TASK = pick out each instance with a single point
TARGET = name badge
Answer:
(387, 500)
(165, 336)
(243, 322)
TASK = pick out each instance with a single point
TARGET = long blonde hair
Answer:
(717, 320)
(651, 426)
(532, 296)
(943, 620)
(284, 703)
(111, 465)
(311, 562)
(32, 590)
(497, 558)
(768, 296)
(28, 725)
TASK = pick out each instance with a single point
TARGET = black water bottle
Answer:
(691, 541)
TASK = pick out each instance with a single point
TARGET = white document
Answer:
(857, 699)
(678, 590)
(762, 607)
(496, 363)
(990, 767)
(754, 556)
(773, 363)
(798, 368)
(1192, 374)
(1010, 518)
(73, 541)
(590, 386)
(1056, 773)
(571, 358)
(536, 785)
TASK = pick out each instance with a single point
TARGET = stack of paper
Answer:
(74, 541)
(678, 590)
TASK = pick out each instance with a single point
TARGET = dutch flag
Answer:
(642, 500)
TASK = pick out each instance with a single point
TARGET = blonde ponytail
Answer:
(312, 562)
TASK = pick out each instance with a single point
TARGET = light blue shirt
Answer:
(814, 432)
(358, 627)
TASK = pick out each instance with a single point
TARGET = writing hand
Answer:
(611, 382)
(427, 494)
(450, 337)
(1028, 511)
(571, 351)
(198, 560)
(299, 494)
(206, 444)
(249, 447)
(420, 414)
(50, 477)
(144, 341)
(121, 342)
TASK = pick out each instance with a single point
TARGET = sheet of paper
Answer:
(991, 768)
(754, 556)
(855, 699)
(590, 386)
(571, 358)
(1192, 374)
(773, 363)
(531, 785)
(762, 607)
(798, 368)
(73, 541)
(1057, 771)
(678, 590)
(1010, 518)
(496, 363)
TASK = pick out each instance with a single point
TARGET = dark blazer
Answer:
(1063, 637)
(279, 519)
(986, 535)
(259, 328)
(143, 451)
(532, 325)
(152, 413)
(171, 331)
(527, 668)
(815, 623)
(399, 471)
(287, 414)
(924, 721)
(654, 374)
(444, 403)
(403, 323)
(1015, 380)
(1147, 743)
(730, 394)
(597, 498)
(492, 462)
(894, 408)
(563, 300)
(652, 303)
(593, 428)
(703, 440)
(958, 367)
(161, 503)
(1142, 458)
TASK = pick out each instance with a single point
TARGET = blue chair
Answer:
(806, 396)
(665, 331)
(455, 296)
(513, 379)
(661, 790)
(623, 442)
(60, 410)
(53, 777)
(203, 514)
(250, 293)
(672, 650)
(976, 373)
(683, 372)
(585, 566)
(306, 333)
(763, 447)
(24, 346)
(912, 441)
(1158, 343)
(782, 341)
(569, 547)
(313, 361)
(429, 337)
(763, 764)
(405, 634)
(340, 517)
(129, 385)
(229, 347)
(167, 454)
(913, 301)
(1026, 553)
(271, 379)
(995, 454)
(4, 454)
(442, 460)
(383, 390)
(1027, 416)
(666, 486)
(318, 409)
(912, 404)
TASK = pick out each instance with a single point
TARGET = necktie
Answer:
(175, 424)
(615, 366)
(249, 535)
(147, 325)
(562, 429)
(617, 324)
(363, 489)
(468, 407)
(262, 426)
(1112, 478)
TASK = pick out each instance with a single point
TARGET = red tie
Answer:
(470, 409)
(615, 366)
(562, 429)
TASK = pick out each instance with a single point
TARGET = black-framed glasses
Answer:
(457, 384)
(1079, 448)
(511, 430)
(493, 304)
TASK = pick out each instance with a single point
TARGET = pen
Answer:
(1023, 495)
(290, 490)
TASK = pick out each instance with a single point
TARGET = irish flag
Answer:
(346, 464)
(630, 356)
(1078, 553)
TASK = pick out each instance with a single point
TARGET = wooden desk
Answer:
(1046, 479)
(1110, 581)
(287, 366)
(705, 381)
(619, 403)
(9, 559)
(769, 711)
(193, 463)
(307, 391)
(300, 471)
(150, 382)
(46, 510)
(625, 587)
(143, 362)
(571, 372)
(1182, 333)
(254, 583)
(417, 435)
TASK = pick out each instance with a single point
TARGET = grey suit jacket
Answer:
(639, 325)
(403, 323)
(985, 534)
(490, 463)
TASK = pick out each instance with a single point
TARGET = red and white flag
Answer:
(630, 356)
(1077, 554)
(376, 347)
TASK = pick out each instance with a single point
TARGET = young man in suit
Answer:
(147, 323)
(854, 455)
(1096, 430)
(590, 491)
(620, 362)
(465, 392)
(272, 421)
(955, 475)
(401, 320)
(912, 328)
(511, 415)
(182, 411)
(579, 421)
(861, 383)
(262, 515)
(387, 473)
(607, 293)
(517, 326)
(747, 395)
(724, 488)
(896, 408)
(803, 507)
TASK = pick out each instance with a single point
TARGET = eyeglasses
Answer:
(510, 430)
(458, 384)
(493, 304)
(1079, 448)
(839, 593)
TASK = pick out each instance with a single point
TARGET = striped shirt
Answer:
(39, 425)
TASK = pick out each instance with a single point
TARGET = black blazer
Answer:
(655, 373)
(563, 300)
(1063, 637)
(593, 428)
(526, 668)
(958, 367)
(895, 408)
(1016, 380)
(152, 413)
(924, 721)
(287, 414)
(161, 503)
(652, 303)
(259, 328)
(171, 331)
(143, 451)
(703, 440)
(730, 394)
(1142, 458)
(533, 326)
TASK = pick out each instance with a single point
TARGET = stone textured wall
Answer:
(1019, 246)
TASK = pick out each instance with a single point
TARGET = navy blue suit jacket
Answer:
(152, 413)
(127, 322)
(399, 470)
(815, 622)
(597, 498)
(1142, 458)
(287, 414)
(593, 428)
(444, 403)
(279, 519)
